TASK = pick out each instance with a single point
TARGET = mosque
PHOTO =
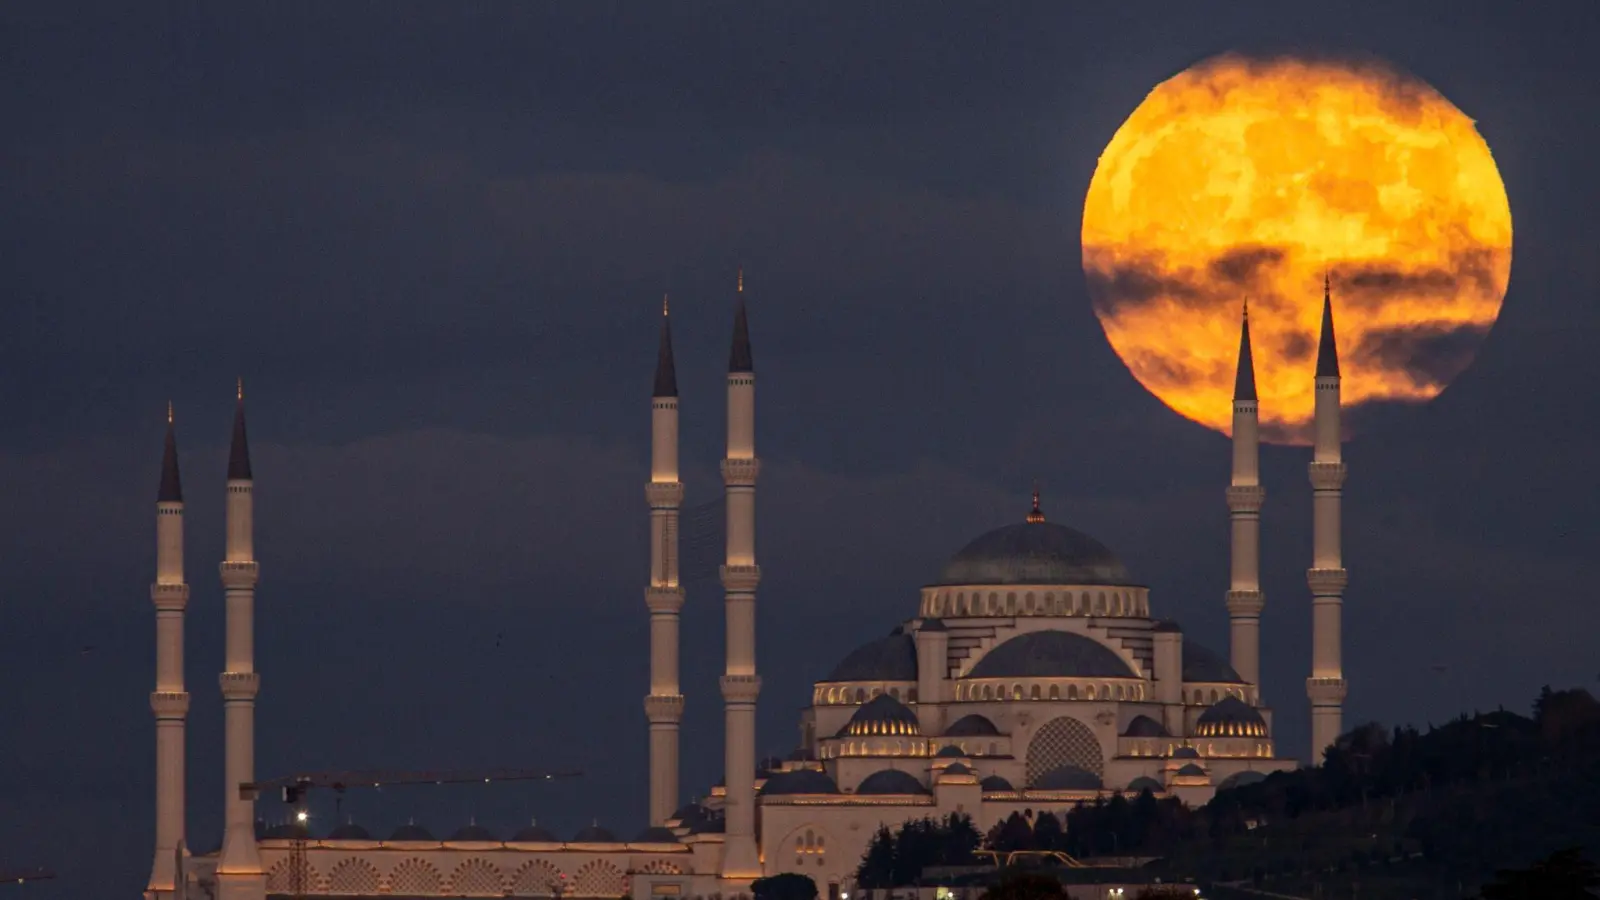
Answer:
(1032, 674)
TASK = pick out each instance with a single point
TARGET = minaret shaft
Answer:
(169, 701)
(663, 705)
(1245, 496)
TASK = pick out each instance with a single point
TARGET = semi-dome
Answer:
(1051, 654)
(349, 831)
(411, 831)
(473, 832)
(891, 781)
(594, 834)
(1144, 727)
(536, 834)
(882, 715)
(656, 834)
(950, 750)
(995, 783)
(1203, 664)
(972, 725)
(1192, 771)
(1036, 552)
(892, 658)
(1067, 778)
(1145, 783)
(799, 781)
(1230, 717)
(956, 769)
(1186, 753)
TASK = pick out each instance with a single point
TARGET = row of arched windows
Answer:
(1036, 691)
(1205, 698)
(1028, 603)
(845, 694)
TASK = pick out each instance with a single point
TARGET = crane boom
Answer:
(340, 780)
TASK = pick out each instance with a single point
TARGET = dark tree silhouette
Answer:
(785, 886)
(1564, 875)
(1025, 886)
(897, 858)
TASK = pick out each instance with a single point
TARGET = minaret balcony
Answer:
(664, 709)
(1326, 691)
(240, 573)
(664, 600)
(169, 597)
(664, 494)
(240, 685)
(740, 579)
(1327, 582)
(740, 472)
(1327, 476)
(169, 704)
(741, 688)
(1246, 498)
(1246, 603)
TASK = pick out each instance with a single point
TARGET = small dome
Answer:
(972, 726)
(1241, 779)
(882, 715)
(1186, 753)
(1051, 654)
(1231, 717)
(594, 834)
(349, 831)
(932, 625)
(1145, 783)
(411, 832)
(950, 751)
(891, 781)
(893, 658)
(799, 781)
(656, 835)
(1202, 664)
(473, 832)
(1035, 553)
(1144, 726)
(536, 834)
(1192, 771)
(956, 769)
(995, 783)
(1067, 778)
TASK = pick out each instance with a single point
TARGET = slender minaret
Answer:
(169, 701)
(740, 574)
(239, 874)
(1245, 496)
(663, 706)
(1326, 577)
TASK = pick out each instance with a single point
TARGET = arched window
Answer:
(1055, 692)
(1072, 692)
(1033, 692)
(861, 695)
(894, 692)
(1119, 692)
(1213, 696)
(1100, 604)
(1011, 603)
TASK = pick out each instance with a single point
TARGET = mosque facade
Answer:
(1032, 674)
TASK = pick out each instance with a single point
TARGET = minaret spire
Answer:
(1327, 577)
(1245, 599)
(663, 705)
(741, 862)
(1035, 515)
(170, 700)
(239, 874)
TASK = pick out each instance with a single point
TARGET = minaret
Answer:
(1245, 496)
(169, 701)
(1326, 577)
(740, 574)
(239, 875)
(663, 706)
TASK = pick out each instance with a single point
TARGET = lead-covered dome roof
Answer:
(882, 715)
(1231, 717)
(891, 781)
(1203, 664)
(1035, 552)
(893, 658)
(1051, 654)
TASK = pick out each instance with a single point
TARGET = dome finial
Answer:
(1036, 515)
(663, 304)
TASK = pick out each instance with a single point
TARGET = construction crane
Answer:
(293, 789)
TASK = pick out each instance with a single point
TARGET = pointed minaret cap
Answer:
(1327, 347)
(239, 451)
(171, 485)
(1035, 515)
(1244, 382)
(666, 371)
(739, 357)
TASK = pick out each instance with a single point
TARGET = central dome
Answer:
(1035, 552)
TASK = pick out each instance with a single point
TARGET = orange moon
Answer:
(1246, 180)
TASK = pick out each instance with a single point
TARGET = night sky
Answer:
(433, 240)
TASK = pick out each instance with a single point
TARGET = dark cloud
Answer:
(1241, 266)
(1430, 355)
(1369, 286)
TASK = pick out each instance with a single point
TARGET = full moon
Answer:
(1247, 181)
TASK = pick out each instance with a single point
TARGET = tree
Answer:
(877, 864)
(1026, 886)
(1012, 833)
(1048, 833)
(1564, 875)
(785, 886)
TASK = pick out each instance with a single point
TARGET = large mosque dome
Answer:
(1035, 552)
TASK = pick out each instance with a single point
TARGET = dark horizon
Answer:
(433, 241)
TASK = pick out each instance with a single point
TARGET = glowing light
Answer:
(1249, 180)
(302, 816)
